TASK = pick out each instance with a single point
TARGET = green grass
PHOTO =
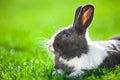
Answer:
(26, 25)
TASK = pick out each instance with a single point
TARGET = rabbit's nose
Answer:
(50, 47)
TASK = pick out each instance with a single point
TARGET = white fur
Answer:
(87, 37)
(92, 59)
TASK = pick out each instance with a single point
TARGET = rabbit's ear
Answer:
(84, 18)
(78, 10)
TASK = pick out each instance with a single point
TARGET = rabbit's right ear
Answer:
(84, 18)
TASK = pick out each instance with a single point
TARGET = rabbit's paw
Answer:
(57, 72)
(76, 74)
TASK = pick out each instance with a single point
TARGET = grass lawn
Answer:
(26, 26)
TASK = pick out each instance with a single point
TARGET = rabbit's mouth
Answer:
(53, 49)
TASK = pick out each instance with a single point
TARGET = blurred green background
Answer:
(24, 23)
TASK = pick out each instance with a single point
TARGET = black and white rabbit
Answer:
(74, 52)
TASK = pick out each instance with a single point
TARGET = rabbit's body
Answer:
(75, 52)
(104, 53)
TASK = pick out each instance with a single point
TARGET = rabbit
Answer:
(73, 50)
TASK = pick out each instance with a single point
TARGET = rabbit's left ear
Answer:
(84, 18)
(77, 12)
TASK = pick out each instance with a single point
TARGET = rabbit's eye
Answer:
(66, 36)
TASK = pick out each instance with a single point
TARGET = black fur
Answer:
(116, 38)
(69, 48)
(77, 13)
(59, 65)
(112, 60)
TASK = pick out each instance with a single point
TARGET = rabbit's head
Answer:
(72, 41)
